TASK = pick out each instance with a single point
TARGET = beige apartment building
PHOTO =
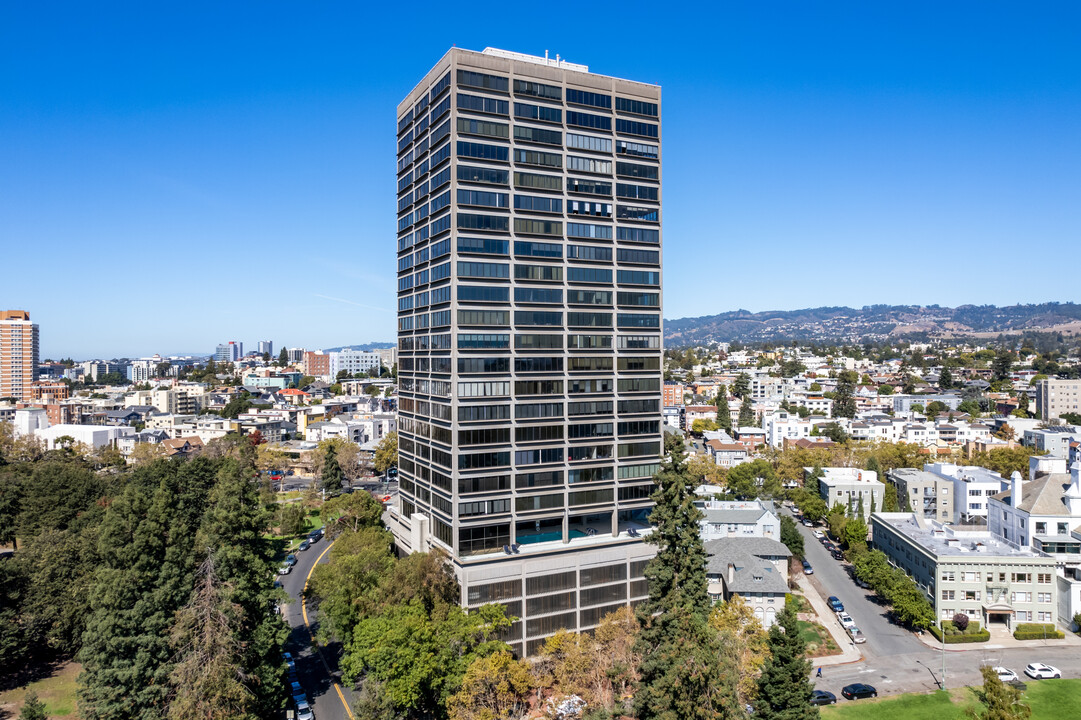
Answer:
(18, 354)
(1055, 397)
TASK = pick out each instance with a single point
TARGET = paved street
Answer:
(317, 668)
(895, 660)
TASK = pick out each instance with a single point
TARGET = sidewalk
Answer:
(828, 619)
(1001, 641)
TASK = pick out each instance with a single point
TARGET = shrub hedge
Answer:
(950, 635)
(1037, 631)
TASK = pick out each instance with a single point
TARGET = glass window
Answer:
(586, 120)
(638, 107)
(632, 127)
(489, 176)
(480, 198)
(497, 153)
(470, 126)
(537, 203)
(540, 182)
(472, 341)
(475, 103)
(540, 159)
(540, 90)
(538, 135)
(592, 99)
(537, 249)
(467, 221)
(538, 112)
(482, 80)
(588, 142)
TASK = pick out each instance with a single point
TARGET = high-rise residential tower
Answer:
(18, 354)
(529, 333)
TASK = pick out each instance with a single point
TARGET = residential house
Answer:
(754, 568)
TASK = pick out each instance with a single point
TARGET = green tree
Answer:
(844, 401)
(724, 414)
(854, 534)
(746, 412)
(784, 688)
(283, 358)
(1002, 701)
(754, 479)
(207, 680)
(332, 477)
(791, 537)
(885, 389)
(233, 526)
(945, 378)
(352, 512)
(680, 674)
(386, 453)
(742, 386)
(1002, 365)
(33, 708)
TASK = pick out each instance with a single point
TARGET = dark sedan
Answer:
(855, 691)
(823, 697)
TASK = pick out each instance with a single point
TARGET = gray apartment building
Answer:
(1055, 397)
(529, 333)
(929, 495)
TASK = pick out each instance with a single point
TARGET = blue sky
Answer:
(177, 175)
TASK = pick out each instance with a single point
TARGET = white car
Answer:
(1005, 674)
(285, 569)
(817, 534)
(846, 620)
(1040, 671)
(858, 636)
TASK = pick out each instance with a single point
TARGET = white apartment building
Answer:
(783, 425)
(972, 489)
(849, 486)
(353, 362)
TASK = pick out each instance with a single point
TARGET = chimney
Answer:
(731, 573)
(1015, 488)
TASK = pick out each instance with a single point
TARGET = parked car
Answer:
(290, 559)
(837, 555)
(1005, 674)
(807, 569)
(862, 584)
(846, 620)
(315, 534)
(285, 569)
(835, 603)
(818, 534)
(857, 635)
(296, 689)
(1040, 671)
(304, 545)
(855, 691)
(808, 523)
(823, 697)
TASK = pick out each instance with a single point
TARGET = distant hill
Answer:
(366, 346)
(874, 322)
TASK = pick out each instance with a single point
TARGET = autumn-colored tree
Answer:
(742, 632)
(493, 688)
(143, 453)
(386, 453)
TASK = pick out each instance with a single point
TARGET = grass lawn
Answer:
(819, 641)
(57, 692)
(1049, 700)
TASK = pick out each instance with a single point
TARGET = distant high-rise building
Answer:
(529, 333)
(229, 352)
(18, 354)
(266, 347)
(352, 362)
(1055, 397)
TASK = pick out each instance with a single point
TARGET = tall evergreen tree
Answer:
(844, 401)
(746, 412)
(283, 358)
(207, 679)
(724, 414)
(681, 676)
(784, 688)
(945, 378)
(742, 386)
(232, 527)
(332, 470)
